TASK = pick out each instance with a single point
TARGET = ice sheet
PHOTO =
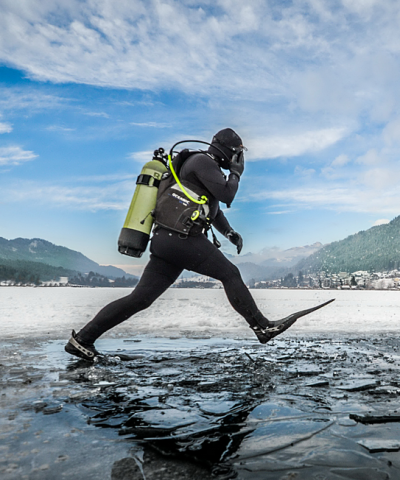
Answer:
(53, 312)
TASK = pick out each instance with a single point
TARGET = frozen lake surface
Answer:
(194, 312)
(186, 391)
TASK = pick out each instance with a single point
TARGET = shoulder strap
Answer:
(175, 174)
(181, 158)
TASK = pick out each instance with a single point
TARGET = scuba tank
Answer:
(135, 233)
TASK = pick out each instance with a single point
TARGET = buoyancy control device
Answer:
(181, 206)
(160, 196)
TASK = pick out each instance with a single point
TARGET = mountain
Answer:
(42, 251)
(273, 262)
(275, 257)
(376, 249)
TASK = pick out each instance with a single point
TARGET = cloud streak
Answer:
(114, 195)
(334, 197)
(5, 127)
(293, 145)
(15, 155)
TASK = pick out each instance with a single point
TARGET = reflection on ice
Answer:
(234, 408)
(275, 436)
(231, 405)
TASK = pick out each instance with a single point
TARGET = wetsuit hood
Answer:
(226, 140)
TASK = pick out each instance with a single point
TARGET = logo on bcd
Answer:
(181, 199)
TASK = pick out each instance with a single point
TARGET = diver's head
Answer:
(225, 144)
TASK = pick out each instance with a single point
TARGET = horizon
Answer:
(266, 253)
(90, 89)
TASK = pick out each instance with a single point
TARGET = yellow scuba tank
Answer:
(135, 233)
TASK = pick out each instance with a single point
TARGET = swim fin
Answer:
(265, 334)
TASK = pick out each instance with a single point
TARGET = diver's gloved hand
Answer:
(236, 239)
(237, 164)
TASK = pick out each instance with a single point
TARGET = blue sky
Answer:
(88, 89)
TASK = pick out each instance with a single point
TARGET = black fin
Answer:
(277, 327)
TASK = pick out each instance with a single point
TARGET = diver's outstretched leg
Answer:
(157, 277)
(216, 265)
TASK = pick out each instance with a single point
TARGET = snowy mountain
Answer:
(271, 262)
(274, 256)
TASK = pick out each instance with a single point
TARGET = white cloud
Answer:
(97, 114)
(373, 191)
(391, 133)
(382, 221)
(340, 161)
(59, 128)
(280, 212)
(335, 169)
(372, 157)
(116, 195)
(381, 178)
(141, 157)
(315, 54)
(293, 145)
(29, 99)
(304, 172)
(15, 155)
(361, 7)
(5, 127)
(152, 124)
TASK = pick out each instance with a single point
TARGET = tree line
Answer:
(25, 272)
(373, 250)
(93, 279)
(21, 272)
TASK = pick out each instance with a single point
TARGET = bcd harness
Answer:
(181, 206)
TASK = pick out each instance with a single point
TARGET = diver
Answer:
(172, 252)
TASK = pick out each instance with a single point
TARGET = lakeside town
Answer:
(360, 280)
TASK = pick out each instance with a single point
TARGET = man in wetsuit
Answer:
(172, 252)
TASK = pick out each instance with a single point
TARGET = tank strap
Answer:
(144, 179)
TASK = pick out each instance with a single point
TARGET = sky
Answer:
(89, 88)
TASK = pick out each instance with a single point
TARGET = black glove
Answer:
(237, 164)
(236, 239)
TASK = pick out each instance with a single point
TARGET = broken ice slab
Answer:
(318, 383)
(52, 409)
(370, 419)
(218, 408)
(169, 372)
(273, 411)
(358, 386)
(360, 473)
(387, 390)
(121, 356)
(305, 371)
(377, 445)
(104, 383)
(153, 422)
(278, 435)
(346, 422)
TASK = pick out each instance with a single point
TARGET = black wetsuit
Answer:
(172, 252)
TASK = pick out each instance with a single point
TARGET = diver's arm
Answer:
(221, 223)
(209, 174)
